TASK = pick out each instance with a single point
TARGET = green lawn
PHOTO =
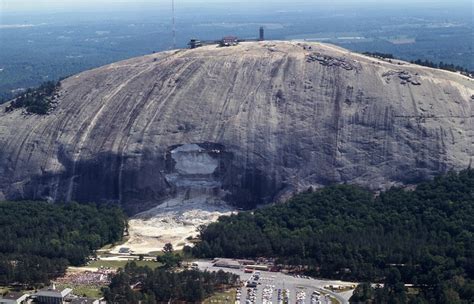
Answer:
(84, 290)
(413, 291)
(121, 264)
(158, 253)
(110, 246)
(222, 297)
(185, 257)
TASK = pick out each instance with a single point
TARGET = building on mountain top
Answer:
(229, 41)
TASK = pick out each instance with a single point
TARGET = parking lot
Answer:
(277, 288)
(268, 291)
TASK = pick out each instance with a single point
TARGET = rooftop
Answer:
(53, 292)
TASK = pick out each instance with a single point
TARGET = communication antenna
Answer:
(174, 25)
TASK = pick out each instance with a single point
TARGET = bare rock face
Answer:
(249, 124)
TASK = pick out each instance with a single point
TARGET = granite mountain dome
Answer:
(247, 123)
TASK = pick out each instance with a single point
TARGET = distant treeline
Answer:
(160, 285)
(443, 66)
(39, 240)
(423, 237)
(36, 101)
(427, 63)
(379, 55)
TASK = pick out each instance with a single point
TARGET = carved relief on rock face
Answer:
(330, 61)
(194, 170)
(404, 77)
(243, 124)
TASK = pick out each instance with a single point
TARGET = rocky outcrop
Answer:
(261, 119)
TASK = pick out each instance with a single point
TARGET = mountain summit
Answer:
(247, 124)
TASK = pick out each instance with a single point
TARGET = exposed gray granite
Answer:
(278, 116)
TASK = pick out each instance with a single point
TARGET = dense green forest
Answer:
(442, 66)
(39, 240)
(160, 285)
(349, 233)
(36, 101)
(379, 55)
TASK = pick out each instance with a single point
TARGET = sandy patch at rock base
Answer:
(171, 222)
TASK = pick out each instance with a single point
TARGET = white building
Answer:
(52, 295)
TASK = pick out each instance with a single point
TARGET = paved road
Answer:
(271, 282)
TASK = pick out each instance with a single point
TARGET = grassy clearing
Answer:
(121, 264)
(184, 256)
(222, 297)
(159, 253)
(413, 291)
(84, 290)
(108, 247)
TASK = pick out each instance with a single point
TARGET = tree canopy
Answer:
(36, 101)
(161, 285)
(349, 233)
(39, 240)
(169, 259)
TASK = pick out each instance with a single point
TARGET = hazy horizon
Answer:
(50, 39)
(40, 6)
